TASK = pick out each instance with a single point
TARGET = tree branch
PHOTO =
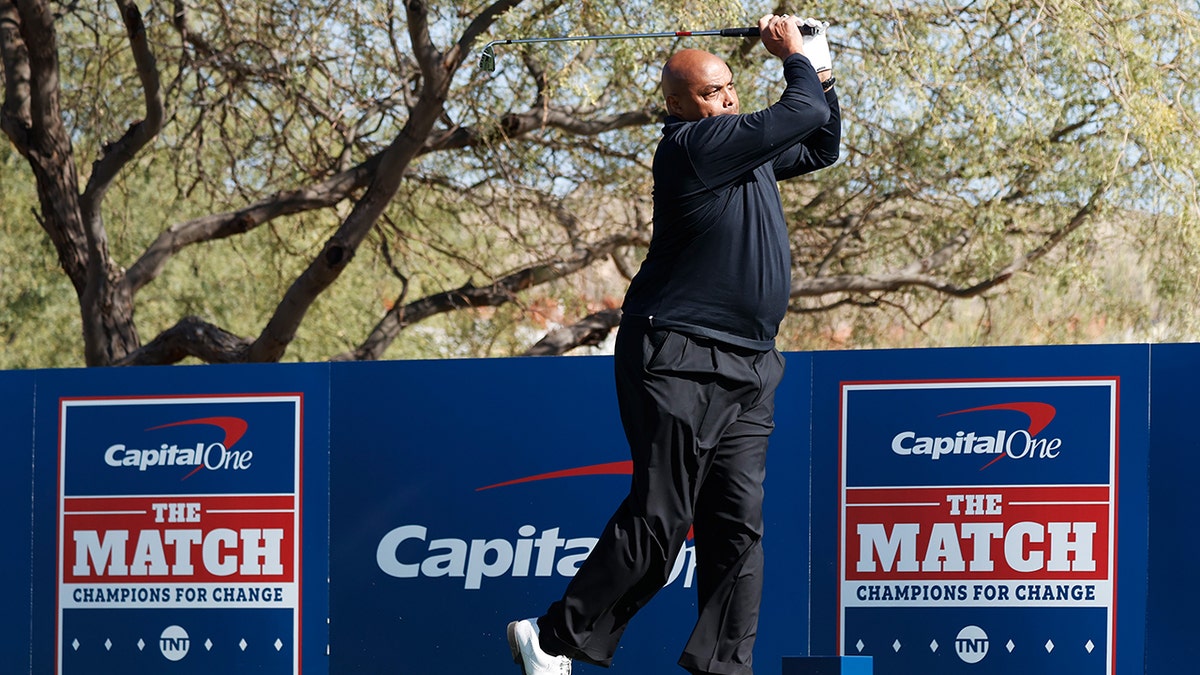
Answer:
(191, 336)
(426, 53)
(119, 153)
(32, 118)
(499, 292)
(324, 194)
(194, 337)
(1081, 216)
(917, 274)
(479, 25)
(564, 119)
(15, 116)
(340, 249)
(589, 331)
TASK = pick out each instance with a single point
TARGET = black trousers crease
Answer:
(697, 414)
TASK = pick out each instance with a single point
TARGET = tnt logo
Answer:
(174, 643)
(971, 644)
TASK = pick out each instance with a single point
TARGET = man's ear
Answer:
(673, 104)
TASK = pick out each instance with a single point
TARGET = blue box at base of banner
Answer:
(827, 665)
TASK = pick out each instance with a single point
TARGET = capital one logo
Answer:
(971, 645)
(1016, 444)
(174, 643)
(195, 456)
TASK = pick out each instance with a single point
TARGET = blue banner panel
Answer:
(16, 485)
(783, 621)
(827, 665)
(466, 493)
(187, 522)
(1174, 593)
(986, 500)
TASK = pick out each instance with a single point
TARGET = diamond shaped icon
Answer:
(141, 644)
(242, 644)
(1010, 646)
(278, 644)
(859, 645)
(896, 646)
(1089, 646)
(1049, 646)
(933, 646)
(107, 645)
(75, 644)
(208, 645)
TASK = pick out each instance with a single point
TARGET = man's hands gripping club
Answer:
(782, 36)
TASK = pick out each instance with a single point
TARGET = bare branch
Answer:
(426, 52)
(588, 332)
(15, 116)
(342, 246)
(1081, 216)
(121, 152)
(871, 283)
(32, 118)
(917, 274)
(193, 337)
(335, 189)
(939, 257)
(479, 25)
(436, 75)
(499, 292)
(218, 226)
(184, 27)
(563, 119)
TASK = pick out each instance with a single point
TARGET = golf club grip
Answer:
(752, 31)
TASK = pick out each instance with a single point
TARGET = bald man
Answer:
(696, 364)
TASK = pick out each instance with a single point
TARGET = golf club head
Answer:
(487, 59)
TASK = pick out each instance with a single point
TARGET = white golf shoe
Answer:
(527, 651)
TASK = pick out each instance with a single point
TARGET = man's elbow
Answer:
(829, 156)
(813, 116)
(821, 112)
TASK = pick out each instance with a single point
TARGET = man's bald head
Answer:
(697, 84)
(690, 65)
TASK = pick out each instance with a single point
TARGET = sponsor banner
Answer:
(179, 533)
(483, 508)
(1174, 459)
(16, 480)
(969, 505)
(956, 527)
(998, 493)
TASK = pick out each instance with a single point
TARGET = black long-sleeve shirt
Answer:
(719, 263)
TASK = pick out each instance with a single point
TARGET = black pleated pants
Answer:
(697, 414)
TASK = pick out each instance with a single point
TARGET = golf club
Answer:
(487, 59)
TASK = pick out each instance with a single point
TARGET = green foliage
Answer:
(39, 318)
(1008, 121)
(1005, 122)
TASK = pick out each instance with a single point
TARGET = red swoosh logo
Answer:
(234, 428)
(610, 469)
(1040, 415)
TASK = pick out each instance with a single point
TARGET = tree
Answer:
(1003, 133)
(982, 139)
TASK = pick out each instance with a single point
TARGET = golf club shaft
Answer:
(751, 31)
(487, 58)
